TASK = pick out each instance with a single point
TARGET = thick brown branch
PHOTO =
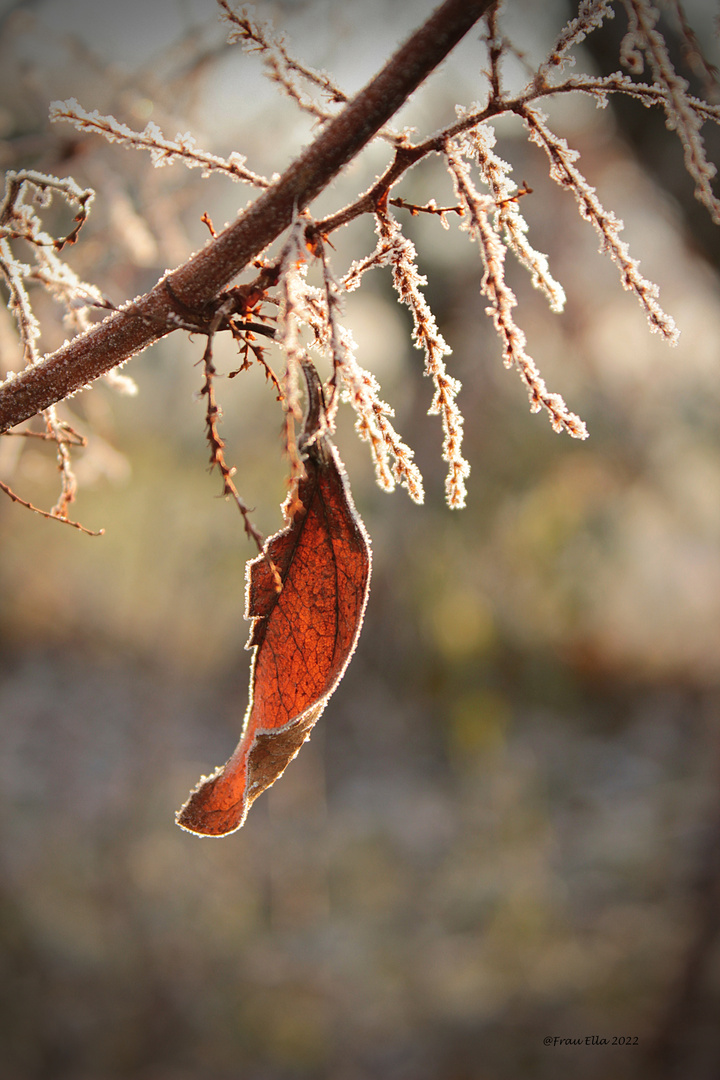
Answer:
(198, 281)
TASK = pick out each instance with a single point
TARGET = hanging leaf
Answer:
(303, 635)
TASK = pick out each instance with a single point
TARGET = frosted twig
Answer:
(565, 173)
(293, 268)
(47, 514)
(479, 142)
(393, 458)
(19, 221)
(362, 390)
(643, 38)
(502, 299)
(254, 36)
(68, 489)
(381, 256)
(162, 151)
(66, 434)
(591, 15)
(693, 52)
(618, 83)
(292, 272)
(213, 416)
(336, 345)
(19, 302)
(430, 207)
(19, 305)
(285, 70)
(310, 306)
(495, 47)
(426, 336)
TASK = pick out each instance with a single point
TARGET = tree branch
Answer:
(137, 325)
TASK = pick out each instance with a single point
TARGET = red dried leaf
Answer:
(303, 638)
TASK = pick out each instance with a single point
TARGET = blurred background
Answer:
(506, 826)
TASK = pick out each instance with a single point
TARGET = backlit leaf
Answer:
(303, 637)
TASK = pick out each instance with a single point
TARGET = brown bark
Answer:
(126, 332)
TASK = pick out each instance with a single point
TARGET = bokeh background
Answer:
(507, 824)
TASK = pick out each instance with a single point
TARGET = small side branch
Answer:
(564, 171)
(47, 513)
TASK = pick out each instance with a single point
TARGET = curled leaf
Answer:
(303, 637)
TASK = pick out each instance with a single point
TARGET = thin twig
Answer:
(213, 414)
(429, 208)
(47, 514)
